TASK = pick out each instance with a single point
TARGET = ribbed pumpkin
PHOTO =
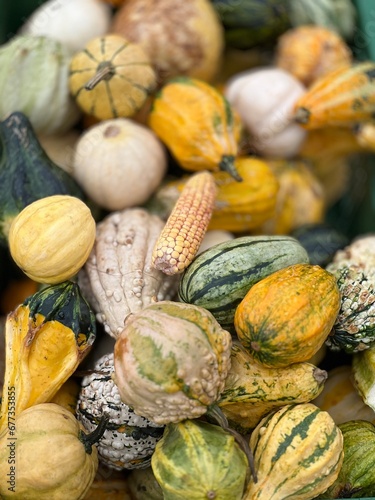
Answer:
(111, 77)
(342, 97)
(196, 459)
(364, 375)
(253, 390)
(49, 456)
(298, 453)
(171, 361)
(286, 317)
(219, 278)
(197, 124)
(51, 239)
(357, 475)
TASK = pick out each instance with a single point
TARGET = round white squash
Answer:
(71, 22)
(264, 98)
(119, 163)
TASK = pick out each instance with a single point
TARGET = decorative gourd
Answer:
(264, 99)
(357, 475)
(192, 355)
(277, 322)
(298, 453)
(46, 102)
(300, 198)
(220, 278)
(118, 278)
(214, 237)
(73, 24)
(336, 15)
(365, 135)
(50, 239)
(201, 460)
(129, 439)
(52, 457)
(26, 172)
(46, 339)
(309, 52)
(252, 23)
(119, 163)
(179, 241)
(360, 251)
(67, 395)
(340, 398)
(252, 390)
(363, 366)
(111, 77)
(341, 98)
(354, 328)
(197, 124)
(197, 49)
(321, 242)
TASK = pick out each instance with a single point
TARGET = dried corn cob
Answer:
(186, 226)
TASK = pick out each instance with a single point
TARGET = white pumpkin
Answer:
(119, 163)
(264, 98)
(71, 22)
(60, 148)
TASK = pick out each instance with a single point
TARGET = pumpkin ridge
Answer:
(90, 55)
(118, 51)
(110, 99)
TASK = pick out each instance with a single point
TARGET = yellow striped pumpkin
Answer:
(111, 77)
(342, 97)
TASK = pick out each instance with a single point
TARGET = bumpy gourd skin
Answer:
(51, 460)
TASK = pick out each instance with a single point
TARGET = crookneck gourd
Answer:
(219, 278)
(197, 124)
(46, 339)
(196, 459)
(253, 390)
(118, 278)
(298, 453)
(171, 361)
(129, 439)
(48, 456)
(276, 321)
(27, 174)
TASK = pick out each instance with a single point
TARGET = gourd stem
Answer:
(227, 165)
(105, 71)
(215, 413)
(88, 440)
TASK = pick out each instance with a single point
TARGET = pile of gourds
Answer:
(180, 321)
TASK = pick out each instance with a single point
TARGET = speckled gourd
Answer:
(171, 361)
(118, 278)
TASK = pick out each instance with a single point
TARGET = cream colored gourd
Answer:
(119, 163)
(60, 148)
(51, 238)
(264, 97)
(73, 23)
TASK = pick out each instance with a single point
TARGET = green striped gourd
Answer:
(286, 317)
(171, 361)
(357, 475)
(219, 278)
(253, 390)
(196, 459)
(298, 453)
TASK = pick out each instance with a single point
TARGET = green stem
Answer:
(215, 414)
(88, 440)
(227, 165)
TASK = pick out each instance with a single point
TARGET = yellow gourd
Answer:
(51, 238)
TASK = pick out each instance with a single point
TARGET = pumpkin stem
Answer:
(302, 115)
(227, 165)
(105, 71)
(215, 413)
(88, 440)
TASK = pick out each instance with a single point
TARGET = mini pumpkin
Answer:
(111, 77)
